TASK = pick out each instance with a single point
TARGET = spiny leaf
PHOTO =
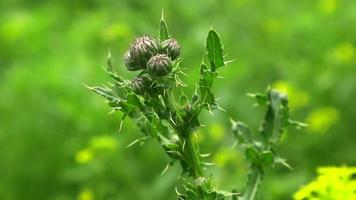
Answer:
(242, 132)
(205, 83)
(260, 98)
(276, 116)
(163, 29)
(253, 155)
(214, 50)
(267, 158)
(110, 70)
(104, 92)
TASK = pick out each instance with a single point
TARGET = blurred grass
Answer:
(51, 126)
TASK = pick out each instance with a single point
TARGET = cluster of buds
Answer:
(153, 58)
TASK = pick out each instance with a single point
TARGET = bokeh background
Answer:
(57, 141)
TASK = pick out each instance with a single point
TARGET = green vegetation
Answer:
(332, 183)
(57, 143)
(149, 101)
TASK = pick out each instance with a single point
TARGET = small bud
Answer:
(171, 48)
(140, 84)
(145, 47)
(132, 63)
(159, 65)
(140, 52)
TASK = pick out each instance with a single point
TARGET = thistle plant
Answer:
(150, 100)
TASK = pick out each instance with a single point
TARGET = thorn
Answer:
(162, 14)
(87, 86)
(136, 141)
(120, 126)
(234, 145)
(220, 108)
(230, 61)
(208, 164)
(183, 146)
(109, 53)
(165, 169)
(111, 111)
(205, 155)
(176, 189)
(233, 122)
(251, 95)
(195, 135)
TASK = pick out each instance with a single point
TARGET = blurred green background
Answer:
(57, 141)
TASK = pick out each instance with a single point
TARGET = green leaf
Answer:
(276, 117)
(110, 70)
(104, 92)
(215, 51)
(261, 99)
(205, 83)
(163, 29)
(267, 158)
(132, 103)
(242, 132)
(253, 155)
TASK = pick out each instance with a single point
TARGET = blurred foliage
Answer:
(332, 183)
(49, 121)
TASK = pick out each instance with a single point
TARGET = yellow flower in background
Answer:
(224, 155)
(321, 119)
(84, 156)
(297, 98)
(344, 52)
(86, 194)
(327, 6)
(103, 142)
(332, 183)
(216, 131)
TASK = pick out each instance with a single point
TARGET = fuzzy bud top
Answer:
(159, 65)
(140, 52)
(171, 48)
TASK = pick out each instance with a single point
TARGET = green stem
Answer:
(253, 183)
(191, 155)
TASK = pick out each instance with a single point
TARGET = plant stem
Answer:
(253, 183)
(192, 156)
(190, 151)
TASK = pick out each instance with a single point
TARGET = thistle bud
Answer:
(171, 48)
(132, 62)
(140, 84)
(140, 52)
(159, 65)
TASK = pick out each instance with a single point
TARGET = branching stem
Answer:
(254, 180)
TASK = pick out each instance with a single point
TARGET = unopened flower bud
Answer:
(132, 62)
(140, 84)
(140, 52)
(159, 65)
(171, 48)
